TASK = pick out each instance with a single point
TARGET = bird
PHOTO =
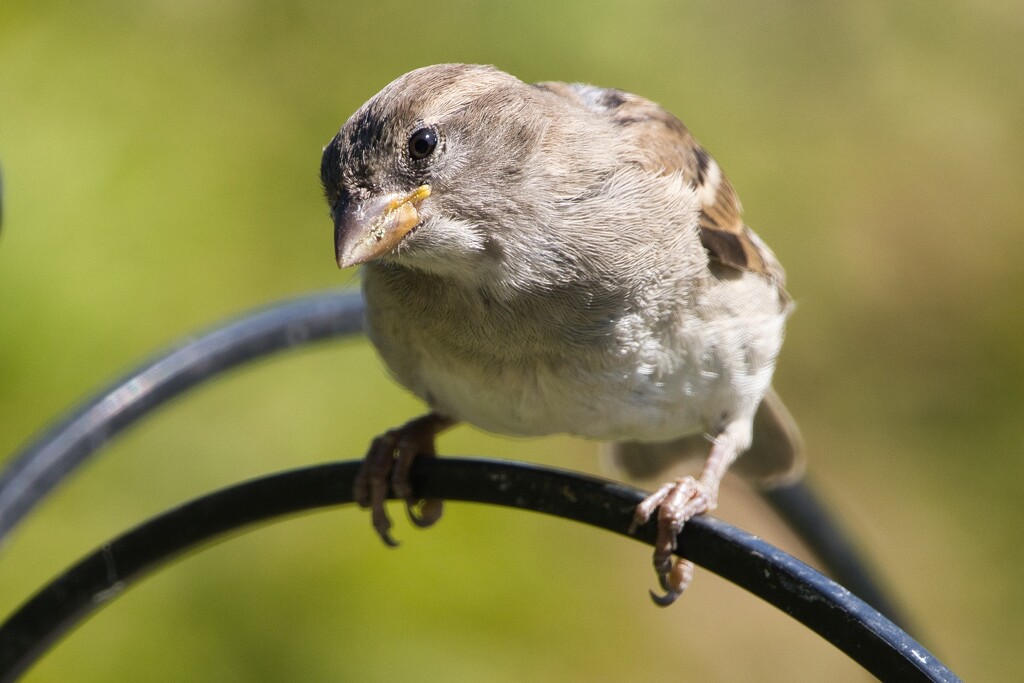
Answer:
(560, 258)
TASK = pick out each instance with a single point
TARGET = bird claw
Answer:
(386, 468)
(663, 600)
(676, 502)
(424, 513)
(382, 525)
(673, 582)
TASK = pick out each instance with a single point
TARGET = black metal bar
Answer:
(821, 604)
(54, 454)
(816, 525)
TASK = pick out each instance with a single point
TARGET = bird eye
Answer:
(422, 143)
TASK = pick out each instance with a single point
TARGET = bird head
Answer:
(428, 174)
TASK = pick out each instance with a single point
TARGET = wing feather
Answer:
(664, 145)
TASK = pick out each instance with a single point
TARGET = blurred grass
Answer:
(160, 164)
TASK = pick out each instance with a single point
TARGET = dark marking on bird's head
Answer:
(370, 153)
(330, 169)
(612, 98)
(724, 247)
(703, 162)
(367, 127)
(365, 156)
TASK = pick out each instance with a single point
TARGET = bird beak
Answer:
(365, 230)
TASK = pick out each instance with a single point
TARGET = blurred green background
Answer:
(160, 163)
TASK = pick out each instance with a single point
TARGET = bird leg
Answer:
(386, 467)
(678, 502)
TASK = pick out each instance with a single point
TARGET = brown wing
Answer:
(664, 145)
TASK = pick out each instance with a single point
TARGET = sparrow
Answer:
(560, 258)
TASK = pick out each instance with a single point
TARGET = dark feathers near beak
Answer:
(365, 230)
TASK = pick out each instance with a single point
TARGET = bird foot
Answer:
(677, 502)
(386, 469)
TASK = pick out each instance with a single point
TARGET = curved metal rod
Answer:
(792, 586)
(55, 453)
(817, 526)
